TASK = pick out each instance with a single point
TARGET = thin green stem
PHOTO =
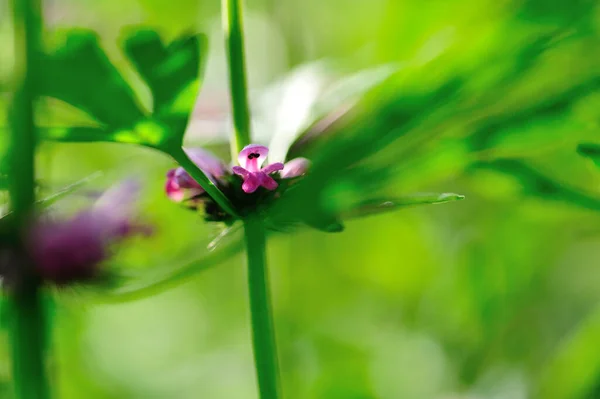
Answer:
(28, 326)
(181, 157)
(233, 26)
(28, 343)
(263, 332)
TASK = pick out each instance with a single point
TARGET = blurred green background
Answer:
(494, 297)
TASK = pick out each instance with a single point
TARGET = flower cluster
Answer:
(180, 186)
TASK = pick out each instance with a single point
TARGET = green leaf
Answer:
(591, 151)
(81, 74)
(168, 70)
(78, 134)
(323, 222)
(147, 132)
(381, 117)
(550, 109)
(535, 183)
(374, 207)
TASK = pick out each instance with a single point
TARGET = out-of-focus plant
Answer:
(483, 107)
(400, 113)
(37, 248)
(591, 151)
(275, 197)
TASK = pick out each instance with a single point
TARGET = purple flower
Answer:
(72, 250)
(180, 185)
(251, 158)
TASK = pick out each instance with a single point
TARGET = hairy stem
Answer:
(181, 157)
(263, 333)
(233, 27)
(27, 315)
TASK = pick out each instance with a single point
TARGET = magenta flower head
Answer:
(72, 250)
(251, 159)
(180, 186)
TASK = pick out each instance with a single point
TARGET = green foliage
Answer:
(534, 183)
(168, 70)
(377, 206)
(591, 151)
(492, 296)
(79, 73)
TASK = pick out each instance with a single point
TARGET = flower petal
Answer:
(68, 251)
(252, 157)
(274, 167)
(294, 168)
(238, 170)
(267, 181)
(251, 183)
(184, 180)
(207, 162)
(174, 191)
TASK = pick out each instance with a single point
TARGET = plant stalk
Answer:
(233, 26)
(263, 332)
(28, 327)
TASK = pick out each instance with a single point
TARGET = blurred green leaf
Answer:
(534, 183)
(76, 134)
(147, 132)
(374, 206)
(573, 370)
(591, 151)
(556, 11)
(322, 221)
(548, 109)
(79, 73)
(167, 70)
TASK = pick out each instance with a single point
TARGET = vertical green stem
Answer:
(263, 333)
(27, 315)
(27, 341)
(234, 41)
